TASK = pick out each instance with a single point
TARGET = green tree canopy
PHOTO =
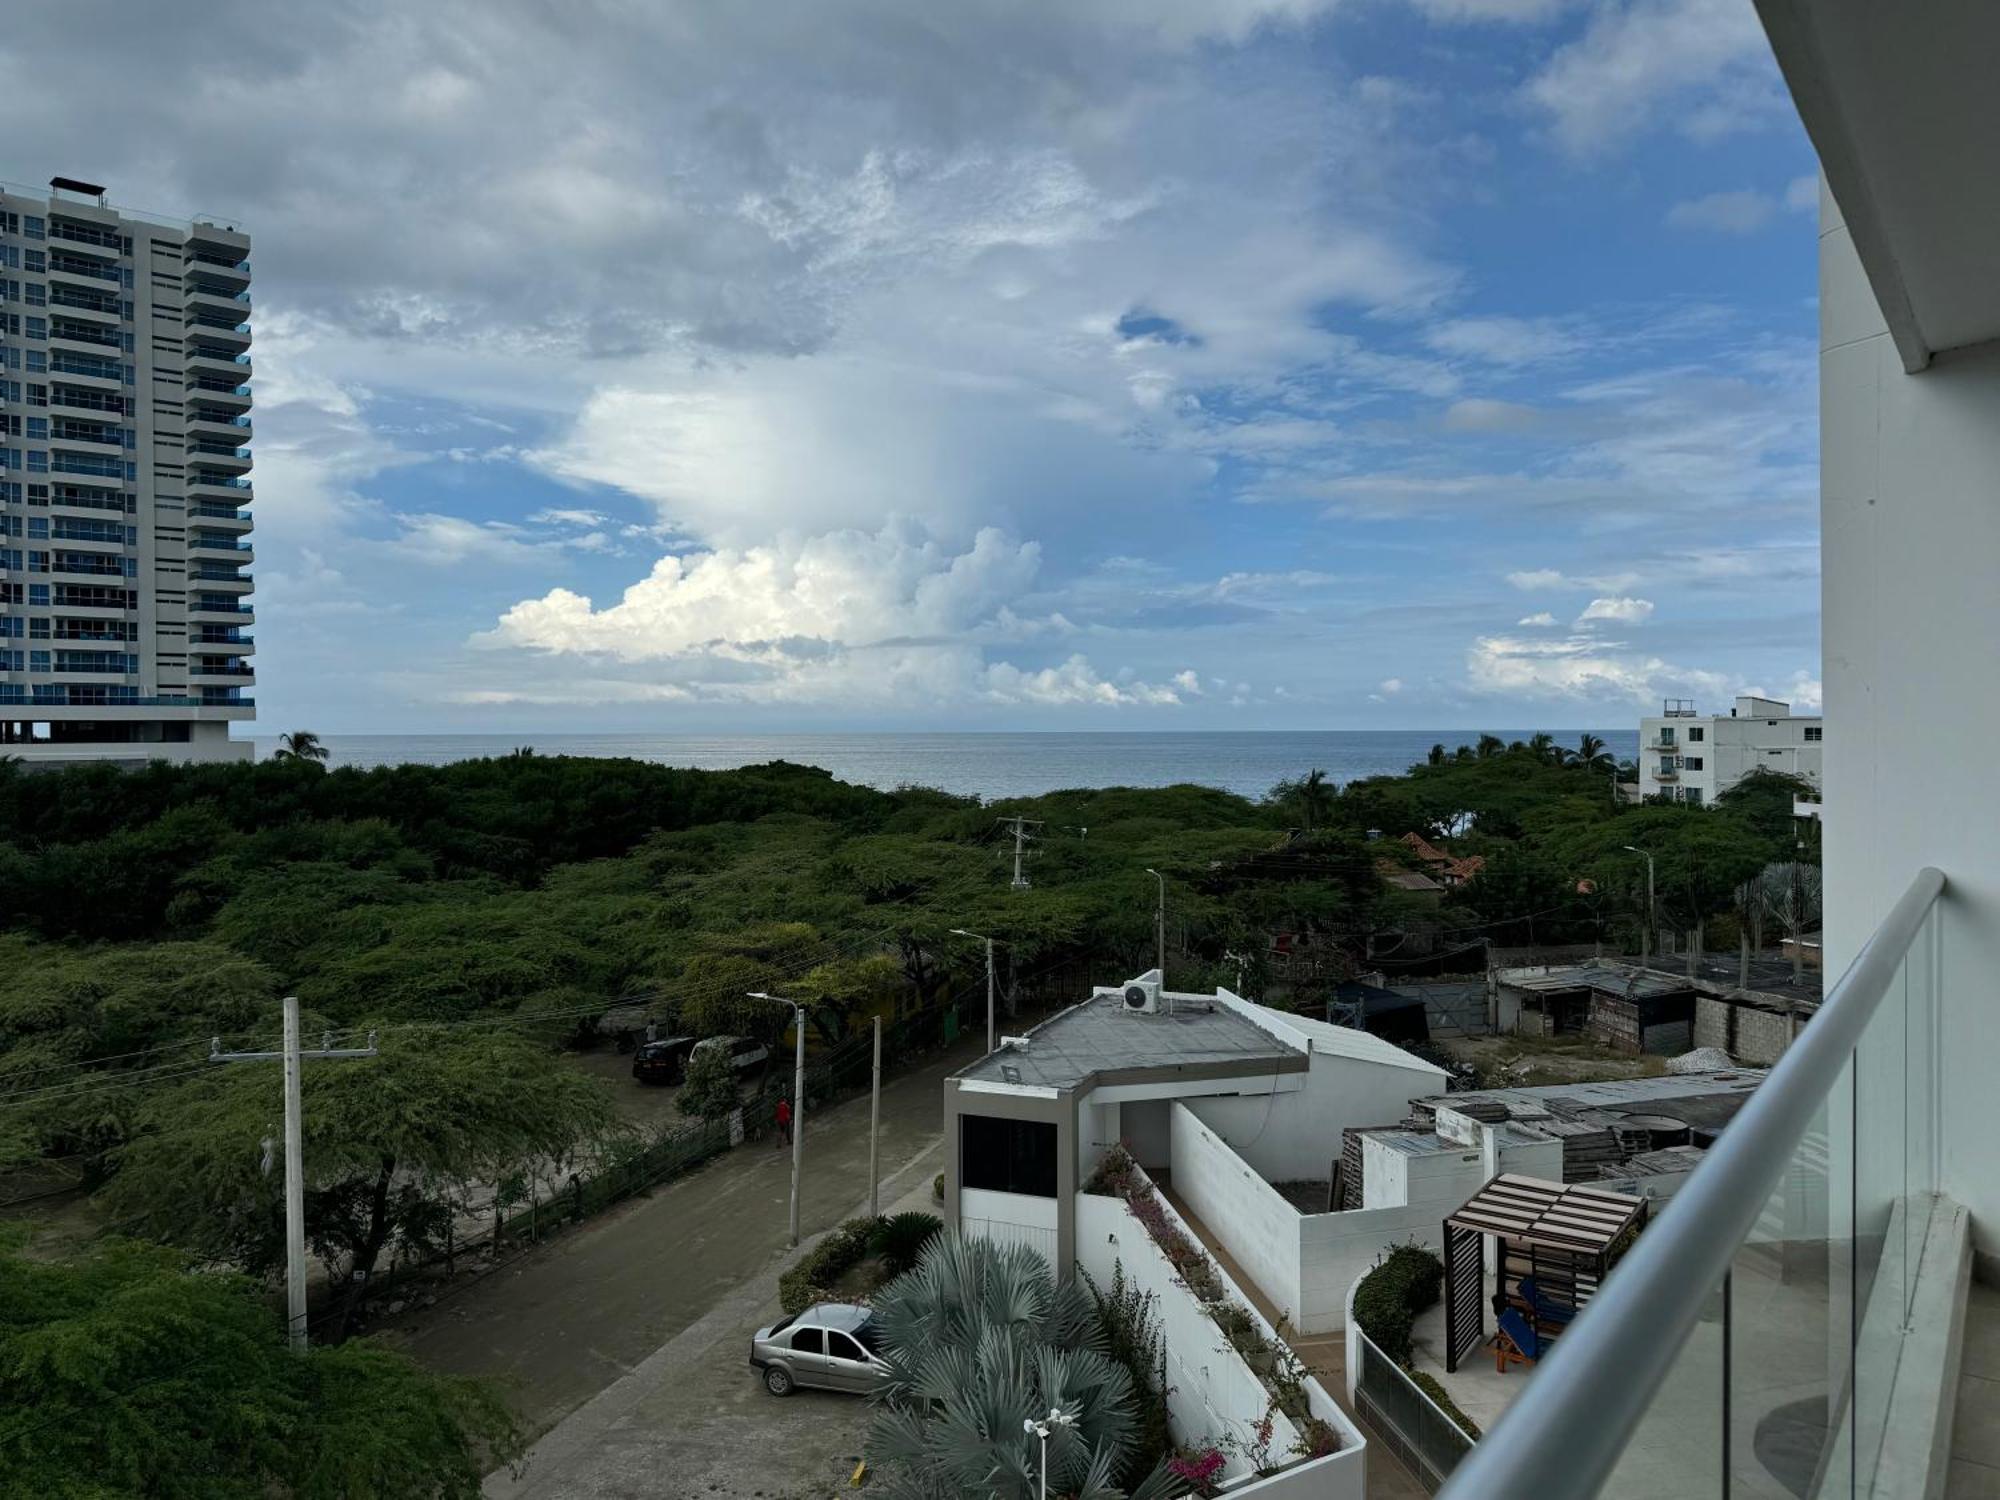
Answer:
(125, 1373)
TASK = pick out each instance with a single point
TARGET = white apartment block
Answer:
(124, 481)
(1695, 758)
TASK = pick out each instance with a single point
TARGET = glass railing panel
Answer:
(1789, 1325)
(1677, 1452)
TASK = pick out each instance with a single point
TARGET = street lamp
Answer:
(798, 1098)
(1646, 932)
(1041, 1428)
(1160, 927)
(981, 937)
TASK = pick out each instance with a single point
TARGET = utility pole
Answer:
(991, 1040)
(875, 1130)
(295, 1178)
(1160, 928)
(1645, 932)
(798, 1100)
(1232, 956)
(1021, 837)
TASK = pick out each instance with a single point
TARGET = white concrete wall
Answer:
(1910, 540)
(1248, 1217)
(1336, 1248)
(1294, 1137)
(1009, 1219)
(1211, 1392)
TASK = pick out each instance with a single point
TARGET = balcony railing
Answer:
(70, 266)
(63, 363)
(1742, 1310)
(85, 333)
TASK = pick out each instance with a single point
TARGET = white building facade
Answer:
(1691, 757)
(124, 481)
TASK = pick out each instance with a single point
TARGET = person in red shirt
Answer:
(784, 1121)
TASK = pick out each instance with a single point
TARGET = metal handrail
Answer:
(1563, 1439)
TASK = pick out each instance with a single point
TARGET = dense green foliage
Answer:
(1388, 1299)
(125, 1374)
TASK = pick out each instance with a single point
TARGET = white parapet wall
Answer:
(1248, 1217)
(1213, 1396)
(1302, 1263)
(1009, 1219)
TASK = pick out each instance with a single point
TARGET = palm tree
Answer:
(1437, 755)
(1543, 746)
(1489, 746)
(1590, 754)
(978, 1339)
(301, 744)
(1315, 798)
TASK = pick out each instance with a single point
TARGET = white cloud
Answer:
(1619, 611)
(1074, 681)
(1802, 194)
(1480, 414)
(1543, 618)
(786, 599)
(1189, 682)
(1534, 580)
(1581, 667)
(1740, 212)
(1504, 341)
(1704, 62)
(1388, 687)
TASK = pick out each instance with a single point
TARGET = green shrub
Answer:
(1432, 1388)
(901, 1238)
(812, 1278)
(1387, 1301)
(937, 1187)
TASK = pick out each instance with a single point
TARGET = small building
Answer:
(1690, 757)
(1447, 868)
(1648, 1008)
(1026, 1124)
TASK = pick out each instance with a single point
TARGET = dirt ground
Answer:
(1527, 1062)
(648, 1105)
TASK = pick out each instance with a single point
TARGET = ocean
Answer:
(983, 765)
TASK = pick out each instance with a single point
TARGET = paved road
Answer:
(563, 1323)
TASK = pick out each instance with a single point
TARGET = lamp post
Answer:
(1646, 932)
(981, 937)
(798, 1099)
(1041, 1428)
(1160, 927)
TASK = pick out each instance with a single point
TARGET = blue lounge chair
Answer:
(1516, 1342)
(1541, 1306)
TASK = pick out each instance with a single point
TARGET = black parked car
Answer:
(662, 1061)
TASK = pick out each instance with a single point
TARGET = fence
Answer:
(1407, 1421)
(628, 1169)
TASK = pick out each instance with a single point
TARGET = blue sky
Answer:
(1180, 364)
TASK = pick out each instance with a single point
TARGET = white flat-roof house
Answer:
(1026, 1124)
(1693, 757)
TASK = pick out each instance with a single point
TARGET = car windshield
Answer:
(870, 1335)
(782, 1324)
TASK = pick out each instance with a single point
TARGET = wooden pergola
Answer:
(1563, 1235)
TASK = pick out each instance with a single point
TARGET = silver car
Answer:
(830, 1345)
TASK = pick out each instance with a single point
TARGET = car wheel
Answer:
(778, 1380)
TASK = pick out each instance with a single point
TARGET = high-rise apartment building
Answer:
(124, 481)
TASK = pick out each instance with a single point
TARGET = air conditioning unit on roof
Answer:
(1142, 997)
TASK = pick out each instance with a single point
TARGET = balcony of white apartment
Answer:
(231, 305)
(98, 436)
(228, 425)
(225, 392)
(86, 304)
(82, 272)
(208, 267)
(220, 609)
(219, 455)
(212, 487)
(209, 546)
(95, 371)
(216, 516)
(76, 332)
(216, 331)
(215, 361)
(85, 241)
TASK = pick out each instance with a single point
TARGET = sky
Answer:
(644, 365)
